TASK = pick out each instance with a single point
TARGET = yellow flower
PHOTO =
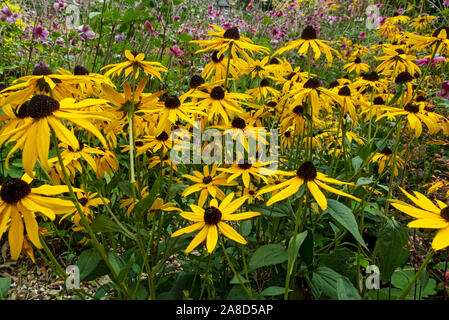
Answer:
(309, 40)
(207, 182)
(385, 159)
(428, 215)
(223, 39)
(19, 201)
(357, 65)
(308, 175)
(207, 220)
(135, 62)
(45, 113)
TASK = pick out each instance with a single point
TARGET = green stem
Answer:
(416, 276)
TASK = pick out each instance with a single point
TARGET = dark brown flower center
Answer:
(81, 71)
(215, 58)
(272, 104)
(14, 189)
(412, 108)
(287, 134)
(333, 84)
(436, 33)
(162, 137)
(139, 143)
(42, 106)
(307, 171)
(444, 213)
(245, 165)
(217, 93)
(344, 92)
(207, 180)
(134, 53)
(264, 83)
(274, 61)
(83, 201)
(299, 110)
(386, 151)
(358, 60)
(252, 192)
(238, 123)
(379, 101)
(309, 33)
(196, 81)
(400, 51)
(80, 147)
(212, 216)
(403, 77)
(232, 33)
(172, 102)
(22, 112)
(42, 71)
(312, 84)
(373, 76)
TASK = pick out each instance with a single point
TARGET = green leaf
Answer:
(103, 223)
(390, 248)
(401, 278)
(246, 227)
(363, 181)
(5, 283)
(126, 187)
(274, 291)
(87, 262)
(356, 162)
(277, 211)
(324, 281)
(268, 255)
(343, 215)
(116, 262)
(298, 242)
(346, 290)
(94, 14)
(125, 270)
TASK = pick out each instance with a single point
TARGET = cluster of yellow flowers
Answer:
(63, 109)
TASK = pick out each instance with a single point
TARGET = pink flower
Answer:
(446, 3)
(59, 5)
(249, 5)
(175, 51)
(150, 27)
(362, 35)
(40, 33)
(119, 37)
(425, 61)
(8, 16)
(85, 32)
(444, 93)
(401, 11)
(176, 18)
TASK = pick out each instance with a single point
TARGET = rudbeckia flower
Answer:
(42, 81)
(207, 182)
(171, 110)
(18, 200)
(263, 90)
(396, 60)
(87, 201)
(45, 112)
(217, 102)
(246, 169)
(210, 219)
(415, 113)
(223, 39)
(428, 215)
(357, 65)
(314, 180)
(216, 68)
(135, 61)
(421, 21)
(385, 159)
(309, 40)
